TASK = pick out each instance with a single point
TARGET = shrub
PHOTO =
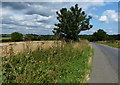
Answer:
(16, 36)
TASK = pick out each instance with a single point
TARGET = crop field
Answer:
(47, 62)
(10, 48)
(3, 38)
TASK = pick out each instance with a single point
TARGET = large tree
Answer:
(100, 35)
(16, 36)
(71, 23)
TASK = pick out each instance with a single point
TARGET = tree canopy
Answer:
(31, 37)
(100, 35)
(16, 36)
(71, 23)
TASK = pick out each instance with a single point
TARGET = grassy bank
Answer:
(115, 44)
(61, 63)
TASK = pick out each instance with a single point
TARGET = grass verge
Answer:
(65, 63)
(115, 44)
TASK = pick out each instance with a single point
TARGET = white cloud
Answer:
(109, 28)
(34, 17)
(47, 26)
(28, 28)
(94, 9)
(91, 31)
(40, 16)
(86, 4)
(109, 16)
(12, 27)
(110, 31)
(6, 11)
(27, 23)
(103, 19)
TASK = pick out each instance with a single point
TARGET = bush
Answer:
(16, 36)
(5, 40)
(31, 37)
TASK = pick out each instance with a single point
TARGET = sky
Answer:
(40, 17)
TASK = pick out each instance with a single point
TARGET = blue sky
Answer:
(40, 17)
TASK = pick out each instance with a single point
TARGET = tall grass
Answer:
(61, 63)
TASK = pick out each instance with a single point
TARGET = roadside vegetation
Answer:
(115, 44)
(62, 62)
(100, 35)
(103, 38)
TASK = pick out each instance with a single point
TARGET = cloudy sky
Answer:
(40, 17)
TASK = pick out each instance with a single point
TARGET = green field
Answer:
(2, 38)
(65, 63)
(5, 39)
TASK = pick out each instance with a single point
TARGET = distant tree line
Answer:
(92, 39)
(100, 35)
(5, 35)
(16, 36)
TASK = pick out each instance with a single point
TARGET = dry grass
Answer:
(13, 48)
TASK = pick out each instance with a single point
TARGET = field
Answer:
(10, 48)
(2, 38)
(114, 43)
(5, 39)
(49, 62)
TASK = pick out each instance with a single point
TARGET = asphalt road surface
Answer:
(105, 64)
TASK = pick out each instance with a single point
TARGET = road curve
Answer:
(105, 64)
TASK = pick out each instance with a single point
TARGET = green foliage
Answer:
(68, 65)
(112, 43)
(93, 38)
(5, 35)
(100, 35)
(71, 23)
(47, 37)
(88, 37)
(114, 37)
(34, 37)
(16, 36)
(31, 37)
(7, 38)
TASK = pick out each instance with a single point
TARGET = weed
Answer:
(60, 63)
